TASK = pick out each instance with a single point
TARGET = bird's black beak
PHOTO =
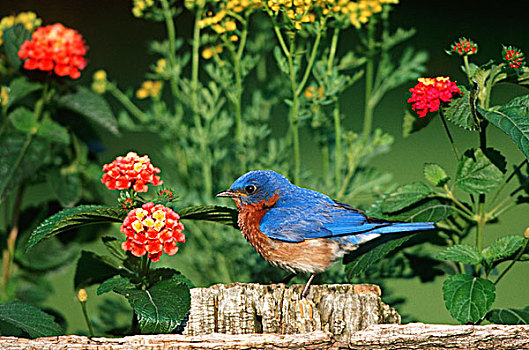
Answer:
(229, 193)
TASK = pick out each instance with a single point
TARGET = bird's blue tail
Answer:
(405, 227)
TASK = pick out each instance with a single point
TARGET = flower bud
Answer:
(82, 296)
(526, 233)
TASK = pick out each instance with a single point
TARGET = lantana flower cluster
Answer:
(131, 170)
(55, 48)
(428, 94)
(514, 57)
(463, 47)
(153, 230)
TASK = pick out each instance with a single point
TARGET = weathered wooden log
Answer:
(389, 337)
(254, 308)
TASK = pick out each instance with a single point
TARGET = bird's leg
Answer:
(289, 278)
(306, 289)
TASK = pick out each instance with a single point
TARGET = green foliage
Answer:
(23, 120)
(462, 110)
(27, 318)
(92, 269)
(411, 123)
(467, 298)
(90, 105)
(435, 174)
(405, 196)
(476, 173)
(12, 40)
(503, 247)
(509, 316)
(214, 213)
(19, 88)
(464, 253)
(513, 119)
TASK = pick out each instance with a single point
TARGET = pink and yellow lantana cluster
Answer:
(428, 94)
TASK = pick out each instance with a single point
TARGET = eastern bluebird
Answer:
(301, 230)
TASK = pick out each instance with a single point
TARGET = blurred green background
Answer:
(118, 43)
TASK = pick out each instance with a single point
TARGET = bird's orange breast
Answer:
(311, 255)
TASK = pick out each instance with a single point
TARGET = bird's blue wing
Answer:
(328, 220)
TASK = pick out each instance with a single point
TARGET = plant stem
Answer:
(511, 176)
(87, 319)
(369, 76)
(336, 113)
(467, 69)
(9, 251)
(127, 103)
(312, 58)
(520, 252)
(452, 143)
(169, 25)
(294, 109)
(238, 98)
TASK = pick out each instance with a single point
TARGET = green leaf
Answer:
(435, 174)
(214, 213)
(113, 245)
(503, 247)
(93, 268)
(29, 319)
(67, 187)
(70, 218)
(467, 298)
(159, 308)
(371, 252)
(13, 38)
(464, 253)
(462, 110)
(476, 174)
(49, 255)
(509, 316)
(53, 132)
(12, 147)
(513, 119)
(92, 106)
(429, 209)
(404, 196)
(412, 123)
(23, 120)
(20, 88)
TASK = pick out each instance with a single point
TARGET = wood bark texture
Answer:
(388, 337)
(340, 309)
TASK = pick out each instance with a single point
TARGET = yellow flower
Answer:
(234, 38)
(4, 96)
(207, 53)
(149, 88)
(161, 65)
(28, 19)
(99, 84)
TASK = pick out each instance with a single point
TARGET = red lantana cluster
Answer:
(153, 230)
(131, 170)
(55, 48)
(427, 95)
(464, 47)
(513, 57)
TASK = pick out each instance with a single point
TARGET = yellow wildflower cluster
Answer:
(150, 88)
(161, 66)
(359, 11)
(99, 83)
(4, 96)
(28, 19)
(311, 92)
(221, 21)
(299, 11)
(208, 52)
(139, 7)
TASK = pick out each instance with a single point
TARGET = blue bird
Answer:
(301, 230)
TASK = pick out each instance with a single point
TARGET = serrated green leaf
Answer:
(404, 196)
(33, 321)
(371, 252)
(23, 120)
(36, 154)
(20, 88)
(467, 298)
(462, 110)
(412, 123)
(464, 253)
(53, 132)
(509, 316)
(513, 119)
(214, 213)
(13, 38)
(93, 268)
(92, 106)
(476, 174)
(435, 174)
(159, 308)
(427, 210)
(67, 187)
(503, 247)
(70, 218)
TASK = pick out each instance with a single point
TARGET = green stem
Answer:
(520, 252)
(169, 24)
(511, 176)
(336, 113)
(127, 103)
(369, 76)
(450, 195)
(452, 143)
(87, 319)
(294, 110)
(481, 222)
(332, 50)
(467, 69)
(9, 252)
(238, 99)
(312, 58)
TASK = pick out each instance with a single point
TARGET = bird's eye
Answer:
(250, 189)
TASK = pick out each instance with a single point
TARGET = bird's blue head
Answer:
(258, 186)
